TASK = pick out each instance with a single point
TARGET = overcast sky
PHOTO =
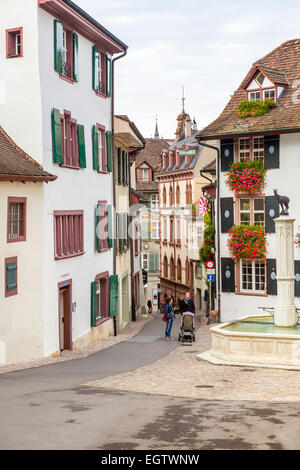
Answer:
(206, 45)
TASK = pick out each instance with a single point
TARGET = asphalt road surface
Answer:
(49, 407)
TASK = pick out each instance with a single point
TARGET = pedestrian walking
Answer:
(187, 305)
(149, 304)
(170, 317)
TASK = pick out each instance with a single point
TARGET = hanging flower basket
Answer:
(297, 241)
(248, 109)
(247, 242)
(246, 177)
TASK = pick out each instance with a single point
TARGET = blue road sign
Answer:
(211, 278)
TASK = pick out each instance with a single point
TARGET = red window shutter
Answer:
(138, 175)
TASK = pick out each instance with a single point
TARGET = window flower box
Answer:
(247, 242)
(248, 109)
(246, 177)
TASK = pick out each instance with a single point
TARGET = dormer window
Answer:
(270, 94)
(254, 96)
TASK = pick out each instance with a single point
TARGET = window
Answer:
(102, 297)
(68, 231)
(165, 229)
(252, 211)
(172, 269)
(165, 267)
(171, 201)
(178, 230)
(16, 227)
(122, 232)
(251, 149)
(171, 229)
(254, 96)
(99, 149)
(11, 278)
(253, 276)
(154, 261)
(69, 141)
(145, 261)
(154, 202)
(103, 226)
(269, 94)
(260, 78)
(177, 195)
(14, 43)
(143, 174)
(164, 196)
(67, 54)
(155, 229)
(179, 270)
(99, 82)
(66, 58)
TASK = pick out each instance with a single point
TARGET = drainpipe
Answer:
(113, 167)
(218, 221)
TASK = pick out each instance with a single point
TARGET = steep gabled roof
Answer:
(17, 165)
(283, 63)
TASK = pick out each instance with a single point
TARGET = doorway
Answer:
(65, 315)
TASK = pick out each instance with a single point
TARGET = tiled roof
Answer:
(151, 152)
(284, 61)
(190, 143)
(16, 165)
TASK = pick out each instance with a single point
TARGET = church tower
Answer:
(156, 134)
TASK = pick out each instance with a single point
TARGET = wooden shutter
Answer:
(98, 219)
(11, 276)
(109, 151)
(58, 46)
(96, 65)
(108, 76)
(119, 165)
(271, 277)
(228, 275)
(56, 137)
(110, 226)
(227, 216)
(81, 146)
(271, 213)
(272, 149)
(297, 280)
(151, 262)
(75, 57)
(120, 233)
(95, 148)
(113, 295)
(93, 303)
(227, 154)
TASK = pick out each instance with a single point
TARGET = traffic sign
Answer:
(211, 271)
(210, 264)
(211, 278)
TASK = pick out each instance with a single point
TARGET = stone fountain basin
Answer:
(254, 341)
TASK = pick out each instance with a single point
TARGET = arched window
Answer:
(171, 195)
(164, 196)
(172, 269)
(177, 195)
(165, 266)
(179, 270)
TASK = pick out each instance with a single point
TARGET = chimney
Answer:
(164, 158)
(177, 159)
(188, 128)
(171, 160)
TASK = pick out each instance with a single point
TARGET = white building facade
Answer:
(56, 102)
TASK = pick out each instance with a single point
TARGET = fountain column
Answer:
(285, 313)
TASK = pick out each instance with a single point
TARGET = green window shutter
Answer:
(156, 261)
(75, 57)
(108, 76)
(81, 146)
(95, 148)
(114, 295)
(98, 241)
(151, 262)
(93, 303)
(109, 151)
(58, 46)
(57, 137)
(110, 226)
(11, 276)
(96, 64)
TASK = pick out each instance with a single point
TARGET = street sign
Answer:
(210, 264)
(211, 271)
(211, 278)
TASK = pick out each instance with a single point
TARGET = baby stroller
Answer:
(187, 328)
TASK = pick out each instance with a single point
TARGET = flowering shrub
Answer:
(297, 241)
(255, 108)
(207, 250)
(247, 242)
(246, 177)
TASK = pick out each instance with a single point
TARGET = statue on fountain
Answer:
(283, 201)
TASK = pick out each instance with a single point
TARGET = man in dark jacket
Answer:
(187, 304)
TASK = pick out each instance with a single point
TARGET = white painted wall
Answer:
(286, 180)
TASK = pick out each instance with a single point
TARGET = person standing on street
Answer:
(149, 304)
(170, 317)
(187, 305)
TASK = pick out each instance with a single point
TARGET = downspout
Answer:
(114, 169)
(218, 221)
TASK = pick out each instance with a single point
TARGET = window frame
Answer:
(239, 278)
(102, 132)
(23, 201)
(145, 259)
(143, 171)
(249, 150)
(251, 211)
(103, 277)
(70, 149)
(14, 32)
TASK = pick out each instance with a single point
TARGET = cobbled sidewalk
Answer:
(128, 332)
(181, 374)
